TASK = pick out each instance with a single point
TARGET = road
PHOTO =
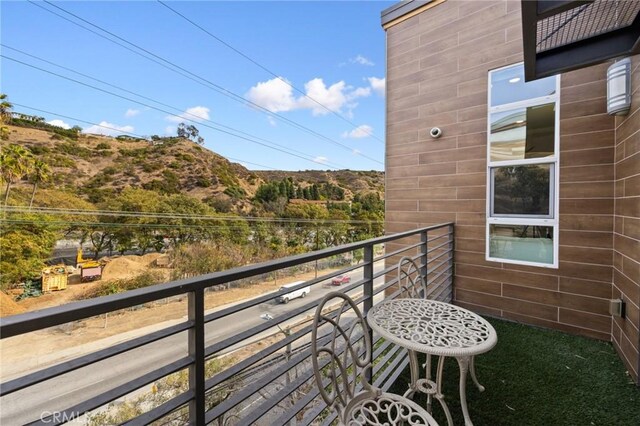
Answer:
(65, 391)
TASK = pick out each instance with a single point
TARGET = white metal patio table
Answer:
(434, 328)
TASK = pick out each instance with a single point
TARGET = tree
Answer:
(15, 163)
(40, 172)
(5, 116)
(190, 132)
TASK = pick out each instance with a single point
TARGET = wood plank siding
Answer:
(437, 66)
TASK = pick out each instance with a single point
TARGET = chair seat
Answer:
(381, 408)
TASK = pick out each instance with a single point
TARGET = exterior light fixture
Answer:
(619, 87)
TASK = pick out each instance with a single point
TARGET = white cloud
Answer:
(170, 130)
(196, 113)
(321, 159)
(356, 151)
(108, 129)
(59, 123)
(131, 112)
(361, 60)
(272, 121)
(277, 95)
(359, 132)
(378, 84)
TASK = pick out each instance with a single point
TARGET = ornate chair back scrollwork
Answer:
(410, 279)
(341, 356)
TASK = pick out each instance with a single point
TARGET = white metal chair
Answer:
(341, 365)
(410, 279)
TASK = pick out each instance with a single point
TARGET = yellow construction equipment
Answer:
(54, 278)
(90, 270)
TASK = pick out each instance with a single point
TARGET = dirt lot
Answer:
(56, 343)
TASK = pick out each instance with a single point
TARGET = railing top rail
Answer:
(50, 317)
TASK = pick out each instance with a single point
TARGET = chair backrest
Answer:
(410, 279)
(341, 350)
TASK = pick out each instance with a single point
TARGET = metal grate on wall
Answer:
(585, 21)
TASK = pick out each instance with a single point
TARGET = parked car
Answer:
(301, 292)
(341, 279)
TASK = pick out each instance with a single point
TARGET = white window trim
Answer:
(555, 160)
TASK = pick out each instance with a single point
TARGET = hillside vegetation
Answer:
(167, 193)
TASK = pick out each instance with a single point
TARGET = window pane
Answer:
(521, 242)
(522, 190)
(507, 85)
(523, 133)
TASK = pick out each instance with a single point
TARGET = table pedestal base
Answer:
(433, 388)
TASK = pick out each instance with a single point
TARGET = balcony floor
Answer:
(542, 377)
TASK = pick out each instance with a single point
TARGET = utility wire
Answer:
(55, 114)
(84, 212)
(196, 118)
(253, 61)
(198, 79)
(166, 112)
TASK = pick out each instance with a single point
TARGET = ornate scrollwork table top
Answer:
(432, 327)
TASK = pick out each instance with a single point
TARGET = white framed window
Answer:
(523, 136)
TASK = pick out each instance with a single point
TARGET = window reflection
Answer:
(521, 242)
(523, 133)
(522, 190)
(507, 86)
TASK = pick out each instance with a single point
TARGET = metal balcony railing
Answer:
(271, 383)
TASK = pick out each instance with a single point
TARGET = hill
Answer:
(95, 167)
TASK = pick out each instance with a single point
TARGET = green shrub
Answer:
(103, 145)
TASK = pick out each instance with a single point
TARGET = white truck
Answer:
(301, 292)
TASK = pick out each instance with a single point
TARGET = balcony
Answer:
(249, 363)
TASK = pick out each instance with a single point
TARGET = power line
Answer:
(208, 84)
(120, 213)
(55, 114)
(196, 117)
(166, 112)
(253, 61)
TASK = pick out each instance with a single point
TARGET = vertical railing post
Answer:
(196, 351)
(368, 294)
(424, 250)
(452, 240)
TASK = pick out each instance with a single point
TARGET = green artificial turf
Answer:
(541, 377)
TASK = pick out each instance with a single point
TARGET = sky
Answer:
(318, 67)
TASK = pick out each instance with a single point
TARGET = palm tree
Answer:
(40, 172)
(15, 163)
(5, 116)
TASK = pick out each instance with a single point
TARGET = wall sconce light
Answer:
(619, 87)
(617, 308)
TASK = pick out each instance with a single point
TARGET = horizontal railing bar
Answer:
(265, 298)
(49, 317)
(161, 410)
(274, 375)
(439, 236)
(239, 367)
(395, 267)
(115, 393)
(230, 341)
(400, 368)
(397, 356)
(310, 396)
(31, 379)
(435, 277)
(439, 246)
(444, 262)
(397, 252)
(438, 256)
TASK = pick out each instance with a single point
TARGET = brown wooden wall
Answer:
(437, 65)
(626, 234)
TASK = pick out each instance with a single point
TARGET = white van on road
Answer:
(301, 292)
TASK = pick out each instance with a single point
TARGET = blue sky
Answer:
(331, 50)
